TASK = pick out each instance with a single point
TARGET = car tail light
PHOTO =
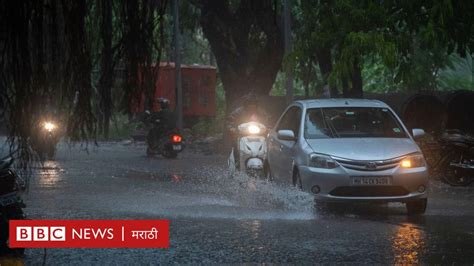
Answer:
(176, 138)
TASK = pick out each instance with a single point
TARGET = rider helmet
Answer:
(164, 103)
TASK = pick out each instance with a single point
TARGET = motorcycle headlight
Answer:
(253, 129)
(321, 161)
(413, 161)
(49, 126)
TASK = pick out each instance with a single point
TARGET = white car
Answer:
(347, 150)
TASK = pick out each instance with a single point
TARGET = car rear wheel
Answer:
(417, 207)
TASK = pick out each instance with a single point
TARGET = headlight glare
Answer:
(254, 129)
(413, 161)
(49, 126)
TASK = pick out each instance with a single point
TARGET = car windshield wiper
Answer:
(331, 127)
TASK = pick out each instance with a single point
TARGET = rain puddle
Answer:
(214, 193)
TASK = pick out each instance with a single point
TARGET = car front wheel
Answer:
(297, 181)
(267, 171)
(417, 207)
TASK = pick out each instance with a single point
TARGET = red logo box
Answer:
(89, 233)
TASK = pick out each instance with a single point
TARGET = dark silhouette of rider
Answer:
(166, 116)
(162, 122)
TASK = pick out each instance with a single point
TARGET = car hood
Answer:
(364, 148)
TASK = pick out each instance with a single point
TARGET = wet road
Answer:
(218, 219)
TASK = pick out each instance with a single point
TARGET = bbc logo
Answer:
(41, 233)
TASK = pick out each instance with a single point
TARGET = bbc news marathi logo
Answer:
(89, 234)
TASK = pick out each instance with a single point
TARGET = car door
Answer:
(287, 147)
(278, 148)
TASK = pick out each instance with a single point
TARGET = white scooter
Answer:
(252, 149)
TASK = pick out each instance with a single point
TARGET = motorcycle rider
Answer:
(164, 121)
(249, 111)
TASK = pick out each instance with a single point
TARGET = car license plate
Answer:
(371, 180)
(177, 147)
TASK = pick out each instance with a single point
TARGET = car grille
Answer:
(369, 165)
(369, 191)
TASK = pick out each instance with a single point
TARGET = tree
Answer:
(403, 35)
(246, 38)
(46, 60)
(142, 48)
(337, 35)
(106, 67)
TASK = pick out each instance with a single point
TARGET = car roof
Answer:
(341, 102)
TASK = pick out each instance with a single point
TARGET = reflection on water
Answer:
(176, 178)
(407, 244)
(49, 174)
(253, 226)
(253, 229)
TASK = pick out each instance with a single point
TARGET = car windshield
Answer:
(352, 122)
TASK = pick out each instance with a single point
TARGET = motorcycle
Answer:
(168, 143)
(457, 163)
(251, 153)
(44, 142)
(11, 204)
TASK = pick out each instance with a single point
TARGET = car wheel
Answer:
(452, 175)
(417, 207)
(267, 171)
(297, 181)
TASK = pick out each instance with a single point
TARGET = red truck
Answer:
(199, 90)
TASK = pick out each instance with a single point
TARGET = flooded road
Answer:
(219, 219)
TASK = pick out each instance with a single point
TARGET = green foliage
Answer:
(400, 45)
(458, 75)
(358, 44)
(378, 78)
(121, 128)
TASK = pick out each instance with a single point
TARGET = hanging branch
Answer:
(81, 123)
(138, 44)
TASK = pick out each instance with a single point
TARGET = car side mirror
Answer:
(418, 132)
(286, 135)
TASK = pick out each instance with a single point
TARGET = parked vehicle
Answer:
(250, 156)
(457, 162)
(11, 205)
(348, 150)
(45, 140)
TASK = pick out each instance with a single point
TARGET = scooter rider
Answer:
(248, 112)
(167, 117)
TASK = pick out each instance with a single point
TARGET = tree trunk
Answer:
(106, 67)
(325, 65)
(345, 88)
(81, 123)
(357, 91)
(247, 44)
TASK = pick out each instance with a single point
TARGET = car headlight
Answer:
(253, 129)
(49, 126)
(413, 161)
(321, 161)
